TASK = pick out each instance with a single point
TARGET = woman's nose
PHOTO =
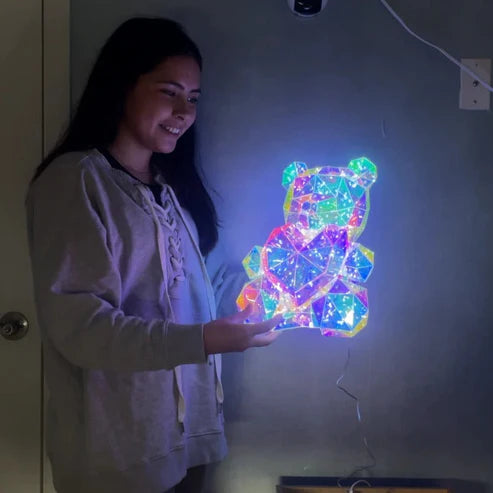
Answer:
(183, 110)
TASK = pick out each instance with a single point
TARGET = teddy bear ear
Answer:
(365, 170)
(291, 172)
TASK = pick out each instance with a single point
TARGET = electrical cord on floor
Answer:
(373, 462)
(356, 483)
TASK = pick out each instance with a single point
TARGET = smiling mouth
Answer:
(172, 130)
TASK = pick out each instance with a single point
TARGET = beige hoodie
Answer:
(122, 294)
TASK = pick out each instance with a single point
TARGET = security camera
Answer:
(307, 8)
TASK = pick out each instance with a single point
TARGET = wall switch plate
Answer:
(473, 95)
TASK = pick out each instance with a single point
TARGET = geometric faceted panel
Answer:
(311, 269)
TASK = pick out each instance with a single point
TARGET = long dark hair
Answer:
(136, 48)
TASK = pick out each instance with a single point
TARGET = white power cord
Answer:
(356, 483)
(373, 463)
(442, 51)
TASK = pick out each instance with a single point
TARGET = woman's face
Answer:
(162, 105)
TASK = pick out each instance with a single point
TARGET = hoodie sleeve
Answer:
(77, 287)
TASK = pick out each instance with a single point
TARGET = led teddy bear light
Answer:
(311, 269)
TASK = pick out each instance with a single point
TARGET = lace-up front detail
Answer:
(174, 242)
(170, 247)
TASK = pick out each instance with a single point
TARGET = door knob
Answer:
(13, 326)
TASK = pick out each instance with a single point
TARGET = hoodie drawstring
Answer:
(210, 296)
(171, 315)
(177, 263)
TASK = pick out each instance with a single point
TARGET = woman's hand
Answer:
(231, 334)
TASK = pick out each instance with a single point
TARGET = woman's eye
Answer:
(168, 92)
(193, 100)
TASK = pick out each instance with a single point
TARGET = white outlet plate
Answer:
(473, 95)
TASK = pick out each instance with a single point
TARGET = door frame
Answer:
(55, 114)
(56, 69)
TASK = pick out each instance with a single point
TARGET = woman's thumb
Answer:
(240, 317)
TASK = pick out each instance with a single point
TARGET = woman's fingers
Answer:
(240, 317)
(261, 334)
(233, 334)
(266, 338)
(254, 328)
(266, 325)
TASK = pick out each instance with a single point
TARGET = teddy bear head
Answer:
(329, 196)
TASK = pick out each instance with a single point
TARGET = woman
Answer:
(119, 222)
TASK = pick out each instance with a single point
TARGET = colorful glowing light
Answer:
(311, 268)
